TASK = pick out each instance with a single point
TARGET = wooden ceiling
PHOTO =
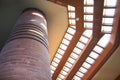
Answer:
(96, 36)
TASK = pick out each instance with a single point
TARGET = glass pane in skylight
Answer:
(94, 55)
(56, 60)
(88, 2)
(104, 40)
(77, 51)
(54, 64)
(71, 14)
(63, 72)
(88, 25)
(87, 33)
(84, 39)
(71, 60)
(110, 2)
(60, 51)
(76, 78)
(72, 21)
(80, 45)
(58, 56)
(52, 67)
(88, 17)
(62, 46)
(65, 41)
(98, 49)
(61, 76)
(83, 70)
(68, 64)
(107, 21)
(71, 8)
(73, 55)
(74, 27)
(90, 60)
(108, 12)
(79, 74)
(86, 65)
(68, 36)
(71, 31)
(52, 71)
(88, 9)
(66, 68)
(106, 29)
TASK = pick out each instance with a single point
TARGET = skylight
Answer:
(98, 49)
(88, 25)
(88, 2)
(110, 3)
(106, 28)
(104, 40)
(108, 12)
(71, 14)
(71, 30)
(107, 21)
(88, 17)
(88, 9)
(87, 33)
(66, 40)
(71, 8)
(84, 39)
(94, 55)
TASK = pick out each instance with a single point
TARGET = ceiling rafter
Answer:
(111, 47)
(97, 22)
(59, 2)
(79, 31)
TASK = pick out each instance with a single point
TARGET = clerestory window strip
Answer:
(66, 39)
(108, 16)
(88, 24)
(103, 42)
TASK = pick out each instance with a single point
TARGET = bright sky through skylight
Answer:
(88, 25)
(88, 2)
(88, 17)
(108, 12)
(104, 40)
(110, 2)
(88, 9)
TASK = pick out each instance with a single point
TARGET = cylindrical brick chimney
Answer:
(25, 56)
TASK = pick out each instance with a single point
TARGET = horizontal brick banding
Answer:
(23, 31)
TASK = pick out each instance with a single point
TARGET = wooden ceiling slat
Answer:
(66, 2)
(109, 50)
(73, 42)
(97, 22)
(67, 54)
(58, 2)
(70, 2)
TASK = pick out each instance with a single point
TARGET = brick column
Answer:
(25, 56)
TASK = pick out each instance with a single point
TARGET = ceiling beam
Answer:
(109, 50)
(79, 31)
(97, 23)
(59, 2)
(71, 2)
(66, 2)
